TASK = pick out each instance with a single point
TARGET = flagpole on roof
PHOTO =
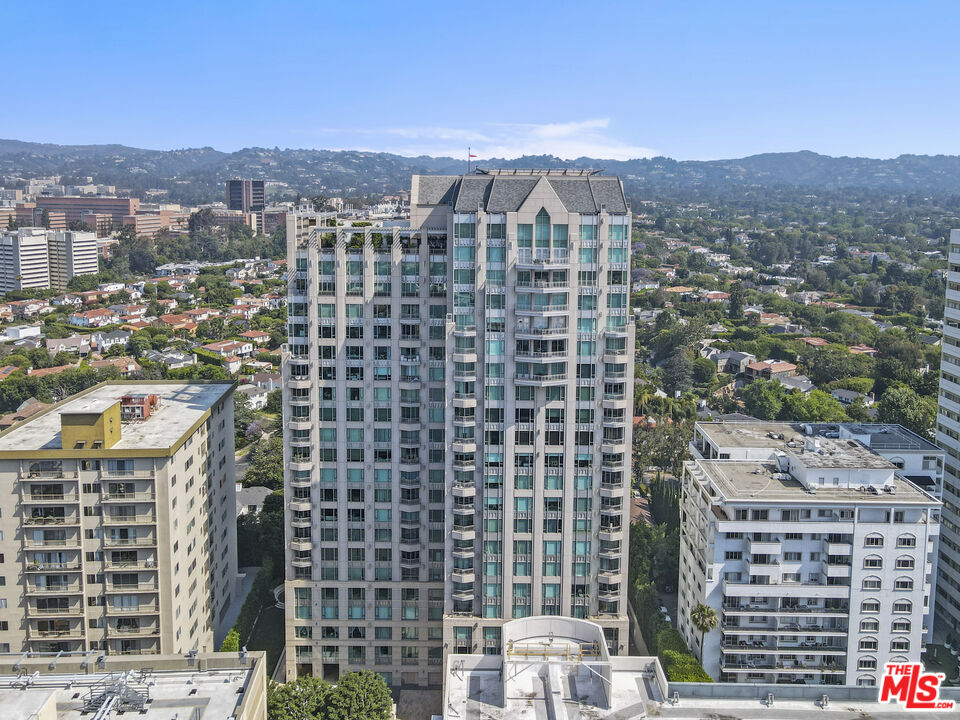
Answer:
(468, 160)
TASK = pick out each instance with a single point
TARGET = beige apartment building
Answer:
(117, 525)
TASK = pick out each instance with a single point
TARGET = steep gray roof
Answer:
(436, 189)
(474, 190)
(506, 193)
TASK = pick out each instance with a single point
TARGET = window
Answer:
(867, 663)
(868, 643)
(900, 625)
(903, 583)
(873, 562)
(902, 606)
(906, 541)
(900, 644)
(870, 605)
(905, 562)
(871, 583)
(866, 681)
(870, 625)
(873, 541)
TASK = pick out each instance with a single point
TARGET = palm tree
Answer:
(704, 619)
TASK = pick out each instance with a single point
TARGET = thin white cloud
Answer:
(567, 140)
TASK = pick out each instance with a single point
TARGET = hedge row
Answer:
(664, 640)
(260, 595)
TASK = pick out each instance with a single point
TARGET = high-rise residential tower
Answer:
(948, 438)
(457, 421)
(71, 253)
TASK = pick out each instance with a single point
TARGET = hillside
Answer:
(197, 174)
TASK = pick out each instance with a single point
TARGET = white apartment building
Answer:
(24, 260)
(117, 528)
(816, 552)
(457, 422)
(71, 253)
(948, 438)
(39, 258)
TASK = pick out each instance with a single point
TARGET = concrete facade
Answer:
(471, 422)
(119, 536)
(24, 260)
(816, 551)
(948, 438)
(70, 254)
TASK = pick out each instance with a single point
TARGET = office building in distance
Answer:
(245, 195)
(118, 527)
(816, 546)
(457, 422)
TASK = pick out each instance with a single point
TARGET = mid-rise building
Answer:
(948, 438)
(457, 421)
(245, 195)
(118, 526)
(82, 685)
(815, 545)
(35, 257)
(24, 261)
(70, 254)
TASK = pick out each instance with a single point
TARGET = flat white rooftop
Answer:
(217, 686)
(181, 405)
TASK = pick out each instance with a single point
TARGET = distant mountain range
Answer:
(197, 174)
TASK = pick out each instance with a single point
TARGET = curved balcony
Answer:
(464, 445)
(463, 595)
(543, 310)
(532, 332)
(463, 533)
(465, 357)
(299, 383)
(463, 576)
(302, 464)
(540, 380)
(301, 562)
(542, 285)
(531, 356)
(542, 259)
(611, 533)
(301, 504)
(301, 544)
(466, 490)
(464, 401)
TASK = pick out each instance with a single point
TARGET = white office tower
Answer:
(23, 260)
(948, 438)
(71, 253)
(457, 422)
(816, 546)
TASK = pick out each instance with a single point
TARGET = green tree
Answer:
(704, 371)
(901, 404)
(275, 402)
(704, 619)
(45, 219)
(302, 699)
(736, 302)
(360, 695)
(764, 399)
(266, 465)
(231, 643)
(677, 372)
(271, 529)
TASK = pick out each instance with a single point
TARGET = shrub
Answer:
(683, 667)
(231, 643)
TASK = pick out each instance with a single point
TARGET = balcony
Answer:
(463, 533)
(531, 379)
(764, 547)
(611, 532)
(69, 611)
(538, 356)
(73, 633)
(67, 589)
(837, 548)
(130, 497)
(141, 609)
(301, 544)
(464, 490)
(129, 542)
(541, 310)
(48, 498)
(71, 542)
(835, 570)
(742, 589)
(51, 520)
(526, 330)
(463, 575)
(132, 587)
(140, 519)
(144, 631)
(53, 567)
(542, 285)
(542, 259)
(149, 564)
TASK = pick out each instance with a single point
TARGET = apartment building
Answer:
(948, 438)
(457, 422)
(24, 262)
(117, 532)
(816, 546)
(35, 257)
(71, 254)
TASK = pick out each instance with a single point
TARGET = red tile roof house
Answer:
(863, 350)
(41, 372)
(229, 348)
(769, 370)
(94, 318)
(201, 314)
(257, 337)
(814, 341)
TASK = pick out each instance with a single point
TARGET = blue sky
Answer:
(690, 80)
